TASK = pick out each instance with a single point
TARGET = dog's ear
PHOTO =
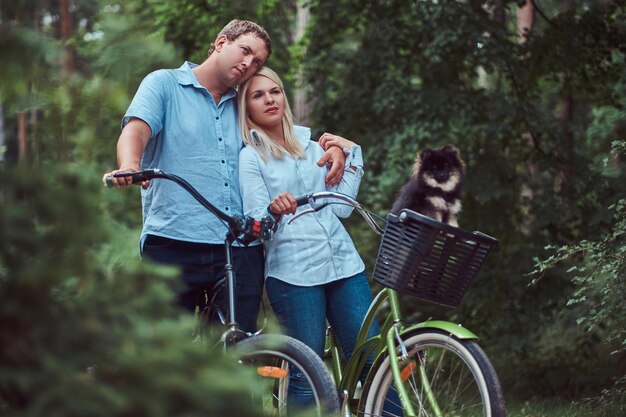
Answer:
(425, 154)
(451, 149)
(418, 161)
(455, 153)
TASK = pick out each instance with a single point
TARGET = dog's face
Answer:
(440, 168)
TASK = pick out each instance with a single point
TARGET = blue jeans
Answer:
(303, 311)
(202, 265)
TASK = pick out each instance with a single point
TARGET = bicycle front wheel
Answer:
(443, 376)
(276, 360)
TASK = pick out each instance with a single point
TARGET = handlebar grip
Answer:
(108, 181)
(135, 177)
(302, 200)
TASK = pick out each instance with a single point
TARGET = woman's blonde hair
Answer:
(258, 139)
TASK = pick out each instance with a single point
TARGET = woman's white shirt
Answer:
(316, 248)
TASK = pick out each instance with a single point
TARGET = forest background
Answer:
(532, 93)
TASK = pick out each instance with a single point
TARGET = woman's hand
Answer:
(284, 203)
(328, 139)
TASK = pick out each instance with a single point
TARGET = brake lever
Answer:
(307, 211)
(268, 227)
(252, 229)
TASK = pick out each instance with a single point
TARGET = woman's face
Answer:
(265, 102)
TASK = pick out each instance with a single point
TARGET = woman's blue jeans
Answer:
(303, 311)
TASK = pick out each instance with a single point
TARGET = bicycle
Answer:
(274, 357)
(433, 368)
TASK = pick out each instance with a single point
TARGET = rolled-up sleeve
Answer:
(149, 103)
(350, 182)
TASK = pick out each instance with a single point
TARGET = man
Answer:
(184, 121)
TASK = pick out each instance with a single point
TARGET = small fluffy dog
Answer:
(434, 188)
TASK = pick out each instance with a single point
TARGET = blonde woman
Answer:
(313, 271)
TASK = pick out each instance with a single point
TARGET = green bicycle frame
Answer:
(386, 343)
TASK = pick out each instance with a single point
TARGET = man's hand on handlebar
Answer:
(110, 180)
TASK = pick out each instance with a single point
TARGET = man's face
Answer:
(240, 59)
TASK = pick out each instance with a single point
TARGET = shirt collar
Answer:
(185, 76)
(303, 134)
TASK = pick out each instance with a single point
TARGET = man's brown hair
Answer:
(236, 28)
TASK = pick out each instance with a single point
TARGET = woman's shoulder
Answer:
(247, 153)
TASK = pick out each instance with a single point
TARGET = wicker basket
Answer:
(430, 260)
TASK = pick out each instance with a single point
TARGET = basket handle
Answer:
(485, 236)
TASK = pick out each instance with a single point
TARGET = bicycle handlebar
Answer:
(323, 195)
(136, 177)
(313, 197)
(244, 229)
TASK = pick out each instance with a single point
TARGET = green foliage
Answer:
(120, 48)
(538, 407)
(534, 123)
(193, 25)
(541, 126)
(598, 271)
(83, 339)
(31, 56)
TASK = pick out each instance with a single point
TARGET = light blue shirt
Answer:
(196, 139)
(316, 248)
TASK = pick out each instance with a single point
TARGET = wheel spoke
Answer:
(459, 380)
(277, 360)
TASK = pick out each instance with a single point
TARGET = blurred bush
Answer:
(82, 334)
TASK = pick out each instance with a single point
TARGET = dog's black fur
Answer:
(434, 188)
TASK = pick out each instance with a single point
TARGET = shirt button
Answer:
(220, 139)
(223, 162)
(217, 118)
(226, 208)
(226, 184)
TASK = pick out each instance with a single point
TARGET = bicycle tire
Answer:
(461, 376)
(276, 352)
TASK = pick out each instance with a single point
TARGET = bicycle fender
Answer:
(455, 329)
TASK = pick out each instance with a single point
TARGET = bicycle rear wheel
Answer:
(275, 358)
(461, 380)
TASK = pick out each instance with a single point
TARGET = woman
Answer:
(313, 271)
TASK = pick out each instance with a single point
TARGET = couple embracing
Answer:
(226, 127)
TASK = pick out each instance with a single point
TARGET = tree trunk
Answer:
(301, 108)
(567, 120)
(22, 142)
(525, 25)
(497, 14)
(66, 34)
(2, 146)
(525, 21)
